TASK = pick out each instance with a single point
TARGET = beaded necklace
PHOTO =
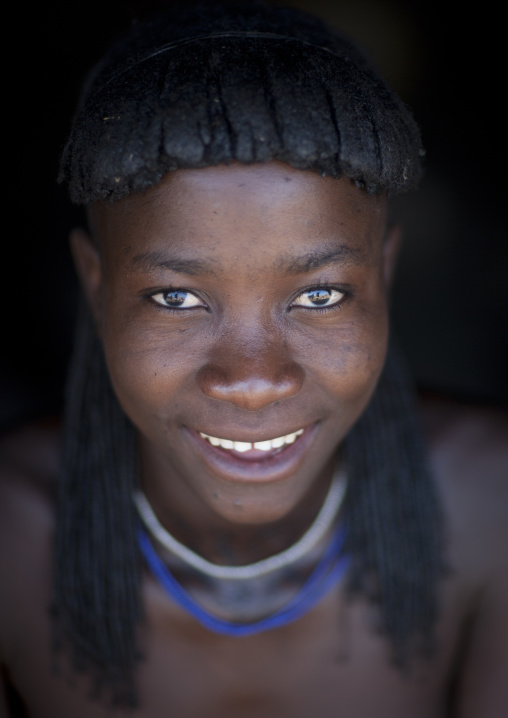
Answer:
(306, 543)
(327, 573)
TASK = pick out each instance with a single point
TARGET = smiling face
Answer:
(242, 304)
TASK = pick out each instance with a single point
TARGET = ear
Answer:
(88, 266)
(391, 247)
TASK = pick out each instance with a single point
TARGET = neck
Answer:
(194, 524)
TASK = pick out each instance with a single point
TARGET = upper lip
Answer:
(250, 438)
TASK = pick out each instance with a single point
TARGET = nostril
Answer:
(211, 377)
(250, 392)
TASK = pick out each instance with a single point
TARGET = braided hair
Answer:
(209, 85)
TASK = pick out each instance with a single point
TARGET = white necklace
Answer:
(311, 537)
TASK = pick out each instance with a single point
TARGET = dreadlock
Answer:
(205, 86)
(97, 582)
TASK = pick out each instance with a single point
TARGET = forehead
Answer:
(241, 206)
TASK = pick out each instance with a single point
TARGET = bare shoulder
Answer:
(29, 459)
(468, 447)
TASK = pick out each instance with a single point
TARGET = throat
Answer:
(239, 599)
(250, 599)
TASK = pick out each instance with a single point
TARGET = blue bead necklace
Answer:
(329, 570)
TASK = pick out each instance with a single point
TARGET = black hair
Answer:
(247, 83)
(205, 86)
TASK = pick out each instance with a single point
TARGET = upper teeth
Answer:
(267, 445)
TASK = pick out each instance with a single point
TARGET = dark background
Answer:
(451, 296)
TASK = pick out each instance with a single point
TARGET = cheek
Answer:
(348, 359)
(149, 371)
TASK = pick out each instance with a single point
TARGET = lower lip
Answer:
(253, 466)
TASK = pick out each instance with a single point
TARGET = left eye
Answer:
(177, 299)
(315, 298)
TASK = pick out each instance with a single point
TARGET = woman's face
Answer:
(244, 304)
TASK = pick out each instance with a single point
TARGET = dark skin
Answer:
(279, 323)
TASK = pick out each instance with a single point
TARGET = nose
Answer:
(251, 380)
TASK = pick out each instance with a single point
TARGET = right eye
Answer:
(177, 299)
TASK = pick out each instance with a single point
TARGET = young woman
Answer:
(249, 520)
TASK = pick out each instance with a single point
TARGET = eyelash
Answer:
(149, 296)
(315, 310)
(323, 310)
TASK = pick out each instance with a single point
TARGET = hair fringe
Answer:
(274, 84)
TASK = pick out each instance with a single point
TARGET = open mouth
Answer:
(244, 446)
(256, 450)
(262, 461)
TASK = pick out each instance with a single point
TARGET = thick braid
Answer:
(394, 526)
(98, 604)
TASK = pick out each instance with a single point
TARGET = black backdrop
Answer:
(450, 301)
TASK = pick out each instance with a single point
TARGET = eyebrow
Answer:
(343, 254)
(158, 259)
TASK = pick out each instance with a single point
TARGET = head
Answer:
(299, 143)
(236, 161)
